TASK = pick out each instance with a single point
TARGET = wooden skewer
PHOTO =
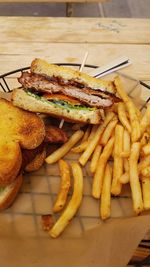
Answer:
(81, 68)
(84, 60)
(61, 123)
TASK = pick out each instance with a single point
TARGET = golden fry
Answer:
(132, 110)
(124, 154)
(146, 192)
(80, 148)
(145, 139)
(134, 178)
(65, 148)
(148, 130)
(146, 172)
(120, 90)
(145, 162)
(106, 194)
(99, 174)
(73, 204)
(126, 165)
(95, 157)
(118, 161)
(124, 179)
(94, 141)
(64, 187)
(123, 116)
(134, 120)
(86, 134)
(108, 131)
(126, 142)
(146, 149)
(83, 145)
(145, 121)
(126, 150)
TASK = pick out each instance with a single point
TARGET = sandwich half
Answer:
(63, 92)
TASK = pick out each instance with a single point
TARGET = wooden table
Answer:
(66, 40)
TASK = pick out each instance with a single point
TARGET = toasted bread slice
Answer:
(31, 102)
(40, 66)
(21, 126)
(10, 161)
(9, 193)
(18, 128)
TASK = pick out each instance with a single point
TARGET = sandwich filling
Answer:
(59, 101)
(60, 91)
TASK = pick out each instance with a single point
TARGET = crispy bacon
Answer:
(47, 222)
(55, 135)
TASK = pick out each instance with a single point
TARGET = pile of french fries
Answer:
(119, 153)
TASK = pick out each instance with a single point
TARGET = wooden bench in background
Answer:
(69, 3)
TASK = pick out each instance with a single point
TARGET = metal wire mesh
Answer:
(40, 188)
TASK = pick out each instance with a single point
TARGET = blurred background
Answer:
(110, 8)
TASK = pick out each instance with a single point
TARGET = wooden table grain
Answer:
(66, 39)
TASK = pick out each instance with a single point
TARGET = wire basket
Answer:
(40, 188)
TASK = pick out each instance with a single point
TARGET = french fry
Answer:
(145, 121)
(145, 139)
(80, 148)
(99, 174)
(148, 130)
(146, 192)
(146, 149)
(134, 178)
(146, 172)
(124, 154)
(94, 141)
(134, 114)
(126, 142)
(126, 165)
(145, 162)
(108, 131)
(124, 179)
(86, 134)
(134, 120)
(73, 204)
(120, 90)
(95, 157)
(106, 194)
(123, 94)
(123, 116)
(65, 148)
(93, 131)
(126, 150)
(64, 187)
(118, 161)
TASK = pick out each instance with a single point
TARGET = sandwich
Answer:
(63, 92)
(19, 130)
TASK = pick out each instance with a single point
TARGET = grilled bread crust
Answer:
(10, 161)
(18, 129)
(9, 193)
(40, 66)
(21, 126)
(29, 102)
